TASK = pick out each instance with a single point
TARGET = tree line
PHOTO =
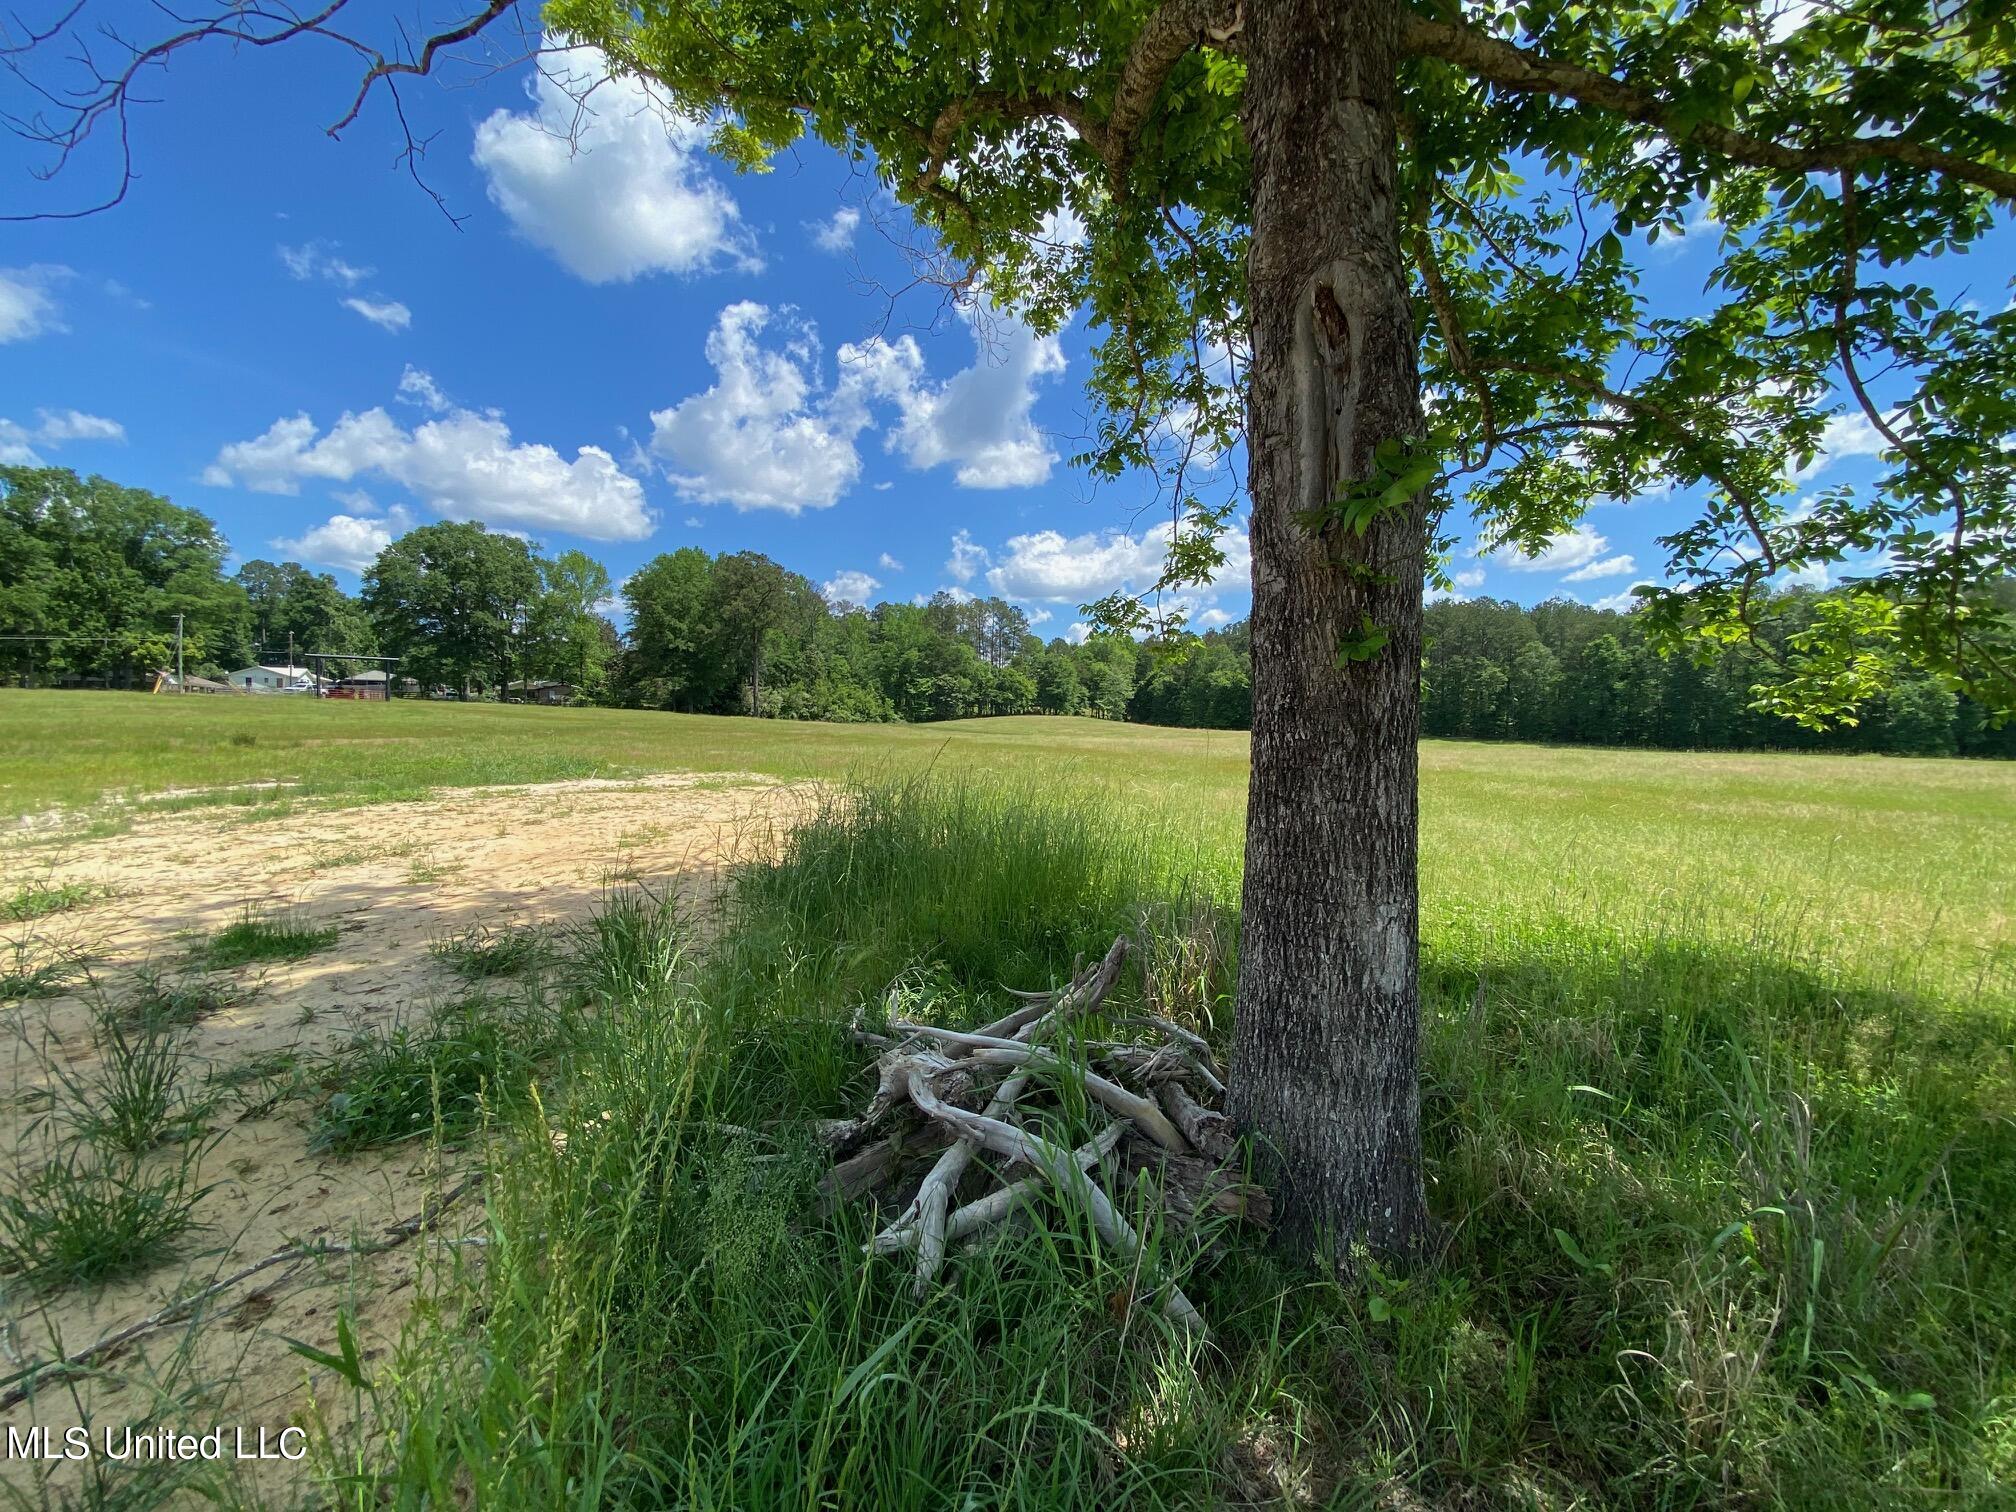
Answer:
(107, 568)
(93, 576)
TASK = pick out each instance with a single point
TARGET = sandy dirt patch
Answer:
(391, 879)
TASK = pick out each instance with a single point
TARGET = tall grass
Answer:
(1717, 1223)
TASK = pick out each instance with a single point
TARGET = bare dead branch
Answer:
(999, 1203)
(1057, 1166)
(385, 68)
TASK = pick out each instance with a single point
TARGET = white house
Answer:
(272, 679)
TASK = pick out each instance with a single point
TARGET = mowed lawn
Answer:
(1899, 870)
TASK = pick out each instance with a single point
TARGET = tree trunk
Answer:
(1325, 1067)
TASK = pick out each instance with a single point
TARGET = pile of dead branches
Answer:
(946, 1096)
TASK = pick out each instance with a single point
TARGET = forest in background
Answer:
(106, 569)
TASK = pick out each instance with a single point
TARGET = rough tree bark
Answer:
(1326, 1043)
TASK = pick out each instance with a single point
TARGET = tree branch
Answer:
(384, 67)
(1674, 423)
(1845, 295)
(1523, 70)
(1165, 37)
(111, 94)
(1457, 342)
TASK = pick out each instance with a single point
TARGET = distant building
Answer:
(169, 683)
(272, 679)
(540, 692)
(361, 685)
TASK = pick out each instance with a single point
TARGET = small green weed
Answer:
(630, 948)
(257, 1069)
(137, 1101)
(331, 860)
(160, 1001)
(37, 900)
(255, 1087)
(266, 935)
(411, 1078)
(479, 951)
(89, 1220)
(22, 976)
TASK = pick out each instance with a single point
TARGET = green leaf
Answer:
(349, 1364)
(1574, 1252)
(1367, 643)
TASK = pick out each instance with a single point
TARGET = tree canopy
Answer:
(294, 607)
(450, 599)
(105, 569)
(1090, 159)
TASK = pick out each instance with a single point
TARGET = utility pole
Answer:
(180, 685)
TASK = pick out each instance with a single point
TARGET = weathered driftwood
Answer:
(868, 1169)
(985, 1211)
(1208, 1130)
(1176, 1151)
(934, 1197)
(1059, 1168)
(1199, 1052)
(928, 1210)
(987, 1051)
(1087, 990)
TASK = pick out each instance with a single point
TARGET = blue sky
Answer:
(626, 349)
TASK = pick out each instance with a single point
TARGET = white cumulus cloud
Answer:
(1049, 565)
(418, 387)
(462, 465)
(771, 434)
(53, 428)
(837, 234)
(1621, 565)
(319, 260)
(1844, 436)
(766, 435)
(1624, 601)
(849, 587)
(606, 181)
(1574, 548)
(888, 563)
(346, 541)
(980, 420)
(967, 557)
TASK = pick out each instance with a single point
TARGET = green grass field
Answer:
(1720, 1117)
(1902, 866)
